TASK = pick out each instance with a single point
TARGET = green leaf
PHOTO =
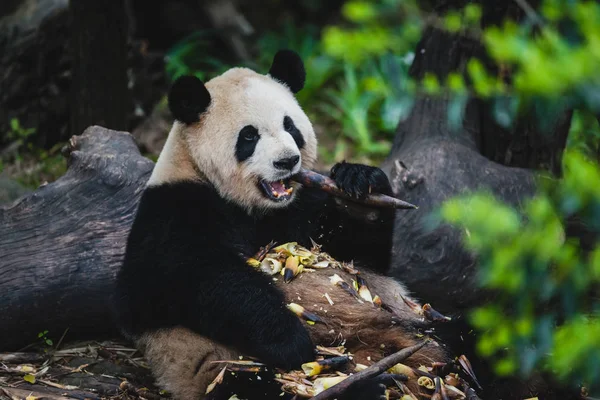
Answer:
(478, 74)
(473, 12)
(14, 124)
(395, 110)
(359, 11)
(430, 83)
(456, 83)
(29, 378)
(452, 21)
(456, 111)
(504, 110)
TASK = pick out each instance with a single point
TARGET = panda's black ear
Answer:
(188, 98)
(288, 68)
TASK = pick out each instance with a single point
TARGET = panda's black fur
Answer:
(184, 266)
(184, 280)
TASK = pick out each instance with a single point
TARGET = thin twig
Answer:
(374, 370)
(61, 339)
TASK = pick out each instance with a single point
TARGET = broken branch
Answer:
(370, 372)
(315, 180)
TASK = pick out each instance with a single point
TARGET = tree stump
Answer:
(62, 244)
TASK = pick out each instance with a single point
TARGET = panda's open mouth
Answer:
(277, 190)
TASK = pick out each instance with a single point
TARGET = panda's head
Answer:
(243, 132)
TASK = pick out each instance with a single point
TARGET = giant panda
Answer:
(220, 190)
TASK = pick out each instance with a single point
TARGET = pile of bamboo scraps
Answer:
(334, 368)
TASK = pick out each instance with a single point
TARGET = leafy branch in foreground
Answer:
(546, 284)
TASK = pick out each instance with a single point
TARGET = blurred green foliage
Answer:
(553, 56)
(358, 87)
(356, 106)
(189, 57)
(545, 313)
(27, 163)
(546, 304)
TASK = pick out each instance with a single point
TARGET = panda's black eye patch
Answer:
(288, 125)
(246, 142)
(249, 133)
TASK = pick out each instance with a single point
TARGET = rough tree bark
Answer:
(99, 89)
(62, 244)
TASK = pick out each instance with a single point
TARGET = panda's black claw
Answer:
(359, 180)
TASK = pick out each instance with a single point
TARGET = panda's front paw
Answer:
(359, 180)
(370, 389)
(287, 344)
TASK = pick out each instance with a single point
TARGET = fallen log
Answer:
(61, 245)
(374, 370)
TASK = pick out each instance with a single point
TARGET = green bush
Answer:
(545, 310)
(28, 164)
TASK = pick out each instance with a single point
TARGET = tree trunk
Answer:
(99, 89)
(442, 162)
(61, 245)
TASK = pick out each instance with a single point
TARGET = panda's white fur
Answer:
(185, 293)
(204, 150)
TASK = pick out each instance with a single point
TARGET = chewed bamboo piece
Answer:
(315, 180)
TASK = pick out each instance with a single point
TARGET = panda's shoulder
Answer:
(179, 196)
(179, 207)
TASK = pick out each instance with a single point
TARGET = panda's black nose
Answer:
(286, 163)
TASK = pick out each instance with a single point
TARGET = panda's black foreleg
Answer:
(363, 234)
(240, 308)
